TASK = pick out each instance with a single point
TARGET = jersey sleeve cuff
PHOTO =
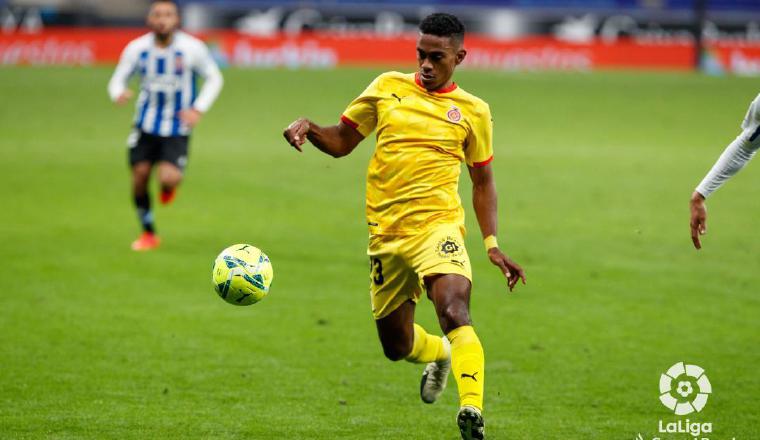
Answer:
(351, 123)
(482, 164)
(201, 107)
(346, 120)
(704, 192)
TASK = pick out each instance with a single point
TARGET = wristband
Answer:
(491, 242)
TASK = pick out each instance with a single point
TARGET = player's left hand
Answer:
(190, 117)
(698, 220)
(511, 270)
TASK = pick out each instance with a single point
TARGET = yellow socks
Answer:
(426, 348)
(467, 363)
(467, 360)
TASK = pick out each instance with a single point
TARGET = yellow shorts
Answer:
(399, 264)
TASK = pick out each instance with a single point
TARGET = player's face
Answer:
(437, 58)
(163, 18)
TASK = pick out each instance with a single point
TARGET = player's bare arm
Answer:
(698, 222)
(484, 201)
(336, 140)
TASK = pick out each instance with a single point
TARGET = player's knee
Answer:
(394, 354)
(140, 174)
(169, 178)
(140, 182)
(397, 351)
(169, 183)
(453, 316)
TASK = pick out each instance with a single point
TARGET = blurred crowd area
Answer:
(715, 36)
(569, 20)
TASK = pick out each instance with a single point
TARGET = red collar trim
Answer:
(448, 89)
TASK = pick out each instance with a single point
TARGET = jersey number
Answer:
(376, 267)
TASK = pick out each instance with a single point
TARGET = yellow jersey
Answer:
(422, 139)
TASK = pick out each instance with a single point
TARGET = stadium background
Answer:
(607, 115)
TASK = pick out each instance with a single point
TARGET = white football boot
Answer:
(435, 376)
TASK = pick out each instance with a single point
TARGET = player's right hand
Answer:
(124, 97)
(698, 222)
(296, 133)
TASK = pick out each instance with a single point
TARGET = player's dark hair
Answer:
(443, 25)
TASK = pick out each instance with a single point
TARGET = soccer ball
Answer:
(242, 274)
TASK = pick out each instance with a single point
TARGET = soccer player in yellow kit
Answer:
(426, 126)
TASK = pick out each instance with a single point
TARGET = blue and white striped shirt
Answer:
(168, 77)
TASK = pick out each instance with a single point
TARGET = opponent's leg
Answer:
(451, 295)
(169, 177)
(140, 177)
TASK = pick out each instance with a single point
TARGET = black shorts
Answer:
(151, 148)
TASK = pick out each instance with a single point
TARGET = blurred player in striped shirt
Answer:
(168, 62)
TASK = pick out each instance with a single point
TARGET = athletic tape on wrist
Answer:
(491, 242)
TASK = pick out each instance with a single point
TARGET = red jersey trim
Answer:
(482, 164)
(448, 89)
(349, 122)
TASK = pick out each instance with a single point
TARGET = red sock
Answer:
(167, 195)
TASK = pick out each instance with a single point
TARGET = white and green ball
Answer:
(242, 275)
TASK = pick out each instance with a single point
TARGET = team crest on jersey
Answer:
(454, 114)
(179, 64)
(449, 247)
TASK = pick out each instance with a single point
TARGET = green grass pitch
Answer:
(594, 173)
